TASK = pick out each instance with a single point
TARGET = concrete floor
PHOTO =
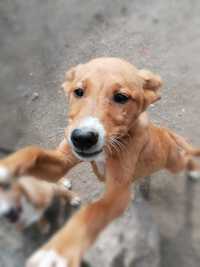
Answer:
(39, 40)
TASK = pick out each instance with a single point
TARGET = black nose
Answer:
(13, 215)
(83, 139)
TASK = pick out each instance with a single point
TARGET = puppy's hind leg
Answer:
(181, 157)
(180, 160)
(193, 170)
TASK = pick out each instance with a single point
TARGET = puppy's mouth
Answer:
(88, 155)
(87, 138)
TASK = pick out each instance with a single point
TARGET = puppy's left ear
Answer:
(151, 85)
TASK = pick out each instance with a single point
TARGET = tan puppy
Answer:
(108, 126)
(30, 201)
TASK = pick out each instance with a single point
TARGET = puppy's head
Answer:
(10, 206)
(25, 201)
(106, 97)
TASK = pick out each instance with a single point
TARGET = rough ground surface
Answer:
(137, 246)
(41, 39)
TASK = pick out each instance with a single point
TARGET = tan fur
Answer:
(142, 148)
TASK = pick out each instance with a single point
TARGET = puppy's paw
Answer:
(75, 201)
(5, 175)
(47, 258)
(66, 183)
(194, 175)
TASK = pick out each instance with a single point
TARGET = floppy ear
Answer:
(70, 76)
(151, 85)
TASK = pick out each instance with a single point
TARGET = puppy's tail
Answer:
(182, 143)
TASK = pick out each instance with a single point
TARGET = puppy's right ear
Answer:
(70, 76)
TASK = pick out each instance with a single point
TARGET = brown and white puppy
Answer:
(109, 127)
(30, 201)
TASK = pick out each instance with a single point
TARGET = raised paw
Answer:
(66, 183)
(75, 201)
(47, 258)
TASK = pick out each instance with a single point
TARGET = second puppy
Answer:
(30, 201)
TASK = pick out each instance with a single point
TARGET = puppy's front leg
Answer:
(70, 196)
(49, 165)
(67, 247)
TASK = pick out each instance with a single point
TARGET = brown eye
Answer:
(120, 98)
(79, 92)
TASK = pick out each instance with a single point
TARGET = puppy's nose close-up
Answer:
(83, 139)
(13, 215)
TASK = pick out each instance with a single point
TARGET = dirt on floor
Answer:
(39, 40)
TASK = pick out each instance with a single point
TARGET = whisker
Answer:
(118, 144)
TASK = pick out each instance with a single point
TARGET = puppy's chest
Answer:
(99, 168)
